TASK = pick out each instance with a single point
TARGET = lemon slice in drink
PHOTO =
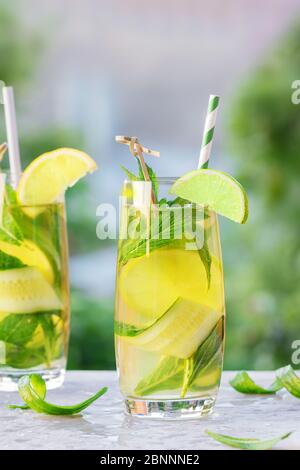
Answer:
(31, 255)
(218, 190)
(25, 290)
(47, 177)
(150, 284)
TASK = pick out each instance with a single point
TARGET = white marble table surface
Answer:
(105, 426)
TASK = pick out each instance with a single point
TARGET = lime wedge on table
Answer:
(47, 177)
(218, 190)
(25, 290)
(180, 330)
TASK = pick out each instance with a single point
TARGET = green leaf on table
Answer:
(247, 443)
(285, 378)
(31, 389)
(288, 379)
(41, 390)
(243, 383)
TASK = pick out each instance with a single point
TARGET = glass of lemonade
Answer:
(169, 316)
(34, 291)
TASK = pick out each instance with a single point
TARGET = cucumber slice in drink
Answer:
(178, 332)
(25, 290)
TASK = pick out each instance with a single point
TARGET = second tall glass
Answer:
(34, 292)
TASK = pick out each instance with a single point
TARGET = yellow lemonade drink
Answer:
(34, 292)
(169, 327)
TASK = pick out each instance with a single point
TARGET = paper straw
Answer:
(208, 133)
(12, 134)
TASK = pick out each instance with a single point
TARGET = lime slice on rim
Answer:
(47, 177)
(215, 189)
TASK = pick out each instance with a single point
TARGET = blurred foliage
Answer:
(92, 342)
(91, 345)
(19, 48)
(263, 258)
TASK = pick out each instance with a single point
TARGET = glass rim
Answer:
(160, 179)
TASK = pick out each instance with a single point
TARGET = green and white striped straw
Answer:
(209, 128)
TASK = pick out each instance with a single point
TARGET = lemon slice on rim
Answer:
(48, 176)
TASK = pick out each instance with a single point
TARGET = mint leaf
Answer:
(10, 195)
(163, 236)
(173, 373)
(243, 383)
(124, 329)
(247, 443)
(9, 229)
(23, 357)
(32, 391)
(207, 351)
(131, 176)
(152, 177)
(168, 375)
(9, 262)
(288, 379)
(206, 260)
(285, 378)
(18, 328)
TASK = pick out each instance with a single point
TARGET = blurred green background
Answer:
(84, 72)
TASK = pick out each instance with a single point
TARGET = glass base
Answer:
(54, 378)
(170, 409)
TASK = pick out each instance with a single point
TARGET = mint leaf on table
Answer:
(243, 383)
(32, 391)
(247, 443)
(288, 379)
(285, 378)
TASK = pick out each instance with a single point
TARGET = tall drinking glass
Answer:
(34, 291)
(169, 316)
